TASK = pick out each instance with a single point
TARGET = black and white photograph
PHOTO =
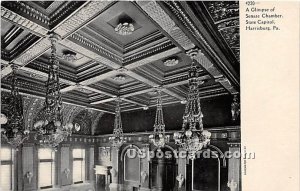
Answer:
(121, 96)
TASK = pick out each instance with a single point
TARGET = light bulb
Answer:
(188, 133)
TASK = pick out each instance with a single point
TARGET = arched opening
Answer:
(204, 172)
(131, 167)
(163, 170)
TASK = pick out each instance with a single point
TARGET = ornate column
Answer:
(29, 167)
(181, 175)
(115, 186)
(91, 151)
(145, 169)
(65, 174)
(234, 167)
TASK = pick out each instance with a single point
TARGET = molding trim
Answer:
(23, 22)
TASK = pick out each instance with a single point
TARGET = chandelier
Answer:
(124, 28)
(50, 128)
(14, 131)
(118, 138)
(158, 138)
(192, 137)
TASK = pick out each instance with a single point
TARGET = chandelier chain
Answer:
(118, 139)
(192, 137)
(50, 128)
(158, 138)
(13, 130)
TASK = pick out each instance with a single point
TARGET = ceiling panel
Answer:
(123, 12)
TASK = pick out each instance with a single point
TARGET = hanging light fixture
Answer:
(235, 108)
(158, 138)
(50, 128)
(13, 129)
(118, 137)
(192, 138)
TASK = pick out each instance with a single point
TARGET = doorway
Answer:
(163, 170)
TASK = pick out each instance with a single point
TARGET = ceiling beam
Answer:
(37, 72)
(66, 102)
(99, 77)
(176, 102)
(80, 17)
(98, 91)
(170, 85)
(134, 102)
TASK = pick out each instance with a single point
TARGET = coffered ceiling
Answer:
(99, 64)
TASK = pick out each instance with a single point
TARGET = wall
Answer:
(27, 161)
(222, 138)
(216, 111)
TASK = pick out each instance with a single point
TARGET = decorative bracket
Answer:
(29, 176)
(180, 180)
(232, 185)
(144, 176)
(122, 70)
(67, 172)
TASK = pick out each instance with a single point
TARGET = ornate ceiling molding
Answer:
(96, 47)
(43, 44)
(149, 51)
(33, 52)
(90, 79)
(89, 11)
(23, 22)
(166, 23)
(153, 58)
(79, 44)
(188, 24)
(210, 68)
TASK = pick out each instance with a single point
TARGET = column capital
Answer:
(193, 52)
(53, 36)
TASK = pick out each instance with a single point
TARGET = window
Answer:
(6, 169)
(78, 165)
(46, 168)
